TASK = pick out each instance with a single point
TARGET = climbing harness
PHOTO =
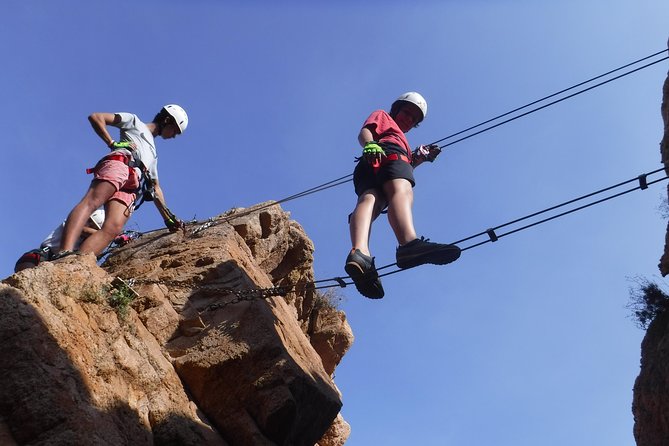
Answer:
(146, 188)
(125, 159)
(386, 159)
(421, 153)
(375, 155)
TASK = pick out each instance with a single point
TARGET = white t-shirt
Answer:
(52, 240)
(135, 131)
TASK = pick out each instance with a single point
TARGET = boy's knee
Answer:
(112, 230)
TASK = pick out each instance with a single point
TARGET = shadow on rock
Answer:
(45, 400)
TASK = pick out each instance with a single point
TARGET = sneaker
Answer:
(422, 250)
(363, 272)
(62, 254)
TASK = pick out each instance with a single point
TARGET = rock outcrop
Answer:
(651, 389)
(664, 151)
(193, 359)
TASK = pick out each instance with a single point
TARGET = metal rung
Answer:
(643, 181)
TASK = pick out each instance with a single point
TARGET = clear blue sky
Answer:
(518, 343)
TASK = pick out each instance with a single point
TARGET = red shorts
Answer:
(118, 174)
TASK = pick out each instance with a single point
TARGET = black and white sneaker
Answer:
(62, 254)
(362, 271)
(422, 250)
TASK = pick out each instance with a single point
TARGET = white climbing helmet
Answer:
(179, 115)
(416, 99)
(98, 217)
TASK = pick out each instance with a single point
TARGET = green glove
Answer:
(174, 224)
(373, 154)
(373, 149)
(120, 145)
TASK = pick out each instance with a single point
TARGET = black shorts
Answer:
(364, 177)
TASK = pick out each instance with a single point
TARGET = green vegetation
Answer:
(328, 299)
(91, 294)
(647, 301)
(120, 297)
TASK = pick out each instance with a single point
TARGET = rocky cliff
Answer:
(192, 359)
(651, 390)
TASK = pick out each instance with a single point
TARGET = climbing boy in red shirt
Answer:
(384, 177)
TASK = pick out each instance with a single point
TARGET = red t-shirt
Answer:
(385, 129)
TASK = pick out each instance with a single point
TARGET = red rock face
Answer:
(191, 363)
(651, 390)
(664, 150)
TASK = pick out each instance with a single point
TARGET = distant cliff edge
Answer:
(651, 390)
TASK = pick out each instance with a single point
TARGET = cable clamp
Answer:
(643, 181)
(492, 235)
(340, 281)
(281, 290)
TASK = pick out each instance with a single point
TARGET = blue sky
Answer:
(523, 342)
